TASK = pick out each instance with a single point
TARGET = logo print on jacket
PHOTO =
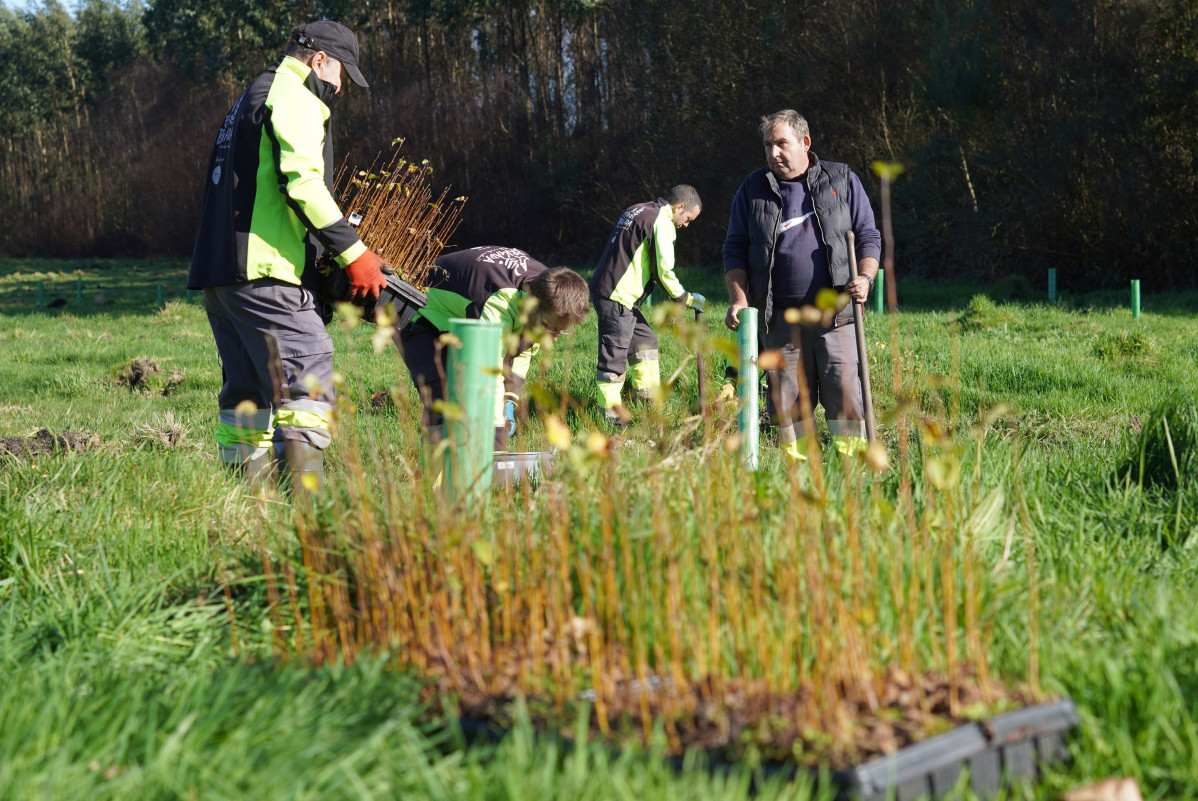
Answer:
(514, 260)
(793, 221)
(225, 135)
(625, 221)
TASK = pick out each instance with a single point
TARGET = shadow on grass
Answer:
(91, 287)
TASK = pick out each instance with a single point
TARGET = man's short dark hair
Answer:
(686, 195)
(296, 49)
(563, 292)
(787, 116)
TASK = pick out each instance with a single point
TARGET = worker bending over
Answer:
(493, 284)
(638, 256)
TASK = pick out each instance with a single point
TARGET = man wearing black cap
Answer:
(268, 215)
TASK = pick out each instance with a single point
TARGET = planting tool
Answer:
(746, 387)
(470, 384)
(699, 363)
(867, 398)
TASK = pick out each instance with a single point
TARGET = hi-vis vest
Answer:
(267, 186)
(639, 255)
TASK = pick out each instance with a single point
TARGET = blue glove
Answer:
(509, 414)
(696, 301)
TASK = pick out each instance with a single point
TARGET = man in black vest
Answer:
(786, 243)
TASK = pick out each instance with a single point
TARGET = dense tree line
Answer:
(1034, 133)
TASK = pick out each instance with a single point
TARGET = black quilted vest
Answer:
(828, 184)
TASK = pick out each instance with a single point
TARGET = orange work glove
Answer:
(366, 279)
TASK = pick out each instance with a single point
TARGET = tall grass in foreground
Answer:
(818, 612)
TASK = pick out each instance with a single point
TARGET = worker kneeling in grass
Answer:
(638, 256)
(499, 285)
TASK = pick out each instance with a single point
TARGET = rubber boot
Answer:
(252, 465)
(798, 449)
(618, 417)
(301, 466)
(850, 446)
(645, 377)
(258, 471)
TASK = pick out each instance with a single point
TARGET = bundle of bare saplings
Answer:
(397, 217)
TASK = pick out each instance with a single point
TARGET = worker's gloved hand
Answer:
(727, 396)
(509, 415)
(366, 279)
(696, 301)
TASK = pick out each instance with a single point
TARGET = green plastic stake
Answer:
(189, 296)
(880, 292)
(471, 379)
(41, 294)
(746, 387)
(1135, 298)
(79, 290)
(1052, 284)
(159, 296)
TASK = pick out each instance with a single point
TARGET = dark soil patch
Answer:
(744, 721)
(45, 441)
(135, 375)
(173, 382)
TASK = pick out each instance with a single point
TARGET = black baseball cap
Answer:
(336, 40)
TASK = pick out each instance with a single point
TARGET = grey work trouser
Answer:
(275, 354)
(624, 337)
(828, 357)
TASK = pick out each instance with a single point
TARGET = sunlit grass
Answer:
(142, 654)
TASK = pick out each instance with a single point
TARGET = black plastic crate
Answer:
(1007, 748)
(998, 752)
(407, 299)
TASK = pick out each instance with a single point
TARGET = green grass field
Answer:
(142, 655)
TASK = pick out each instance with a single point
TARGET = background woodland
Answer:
(1033, 133)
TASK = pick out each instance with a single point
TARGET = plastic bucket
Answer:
(513, 467)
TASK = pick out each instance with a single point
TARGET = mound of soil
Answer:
(45, 441)
(135, 375)
(173, 382)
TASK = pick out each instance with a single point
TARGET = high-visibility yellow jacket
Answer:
(638, 256)
(269, 185)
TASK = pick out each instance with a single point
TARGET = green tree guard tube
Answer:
(746, 387)
(470, 423)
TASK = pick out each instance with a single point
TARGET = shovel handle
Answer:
(699, 366)
(867, 399)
